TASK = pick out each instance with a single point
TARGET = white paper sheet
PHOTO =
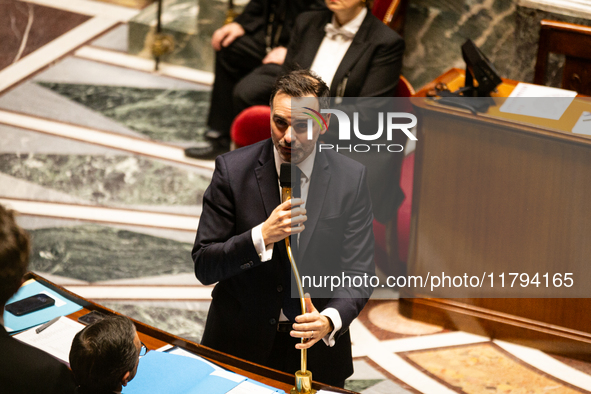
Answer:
(583, 125)
(182, 352)
(249, 388)
(55, 339)
(535, 100)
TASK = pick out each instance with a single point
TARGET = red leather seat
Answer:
(406, 178)
(251, 125)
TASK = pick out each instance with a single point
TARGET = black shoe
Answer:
(207, 150)
(215, 136)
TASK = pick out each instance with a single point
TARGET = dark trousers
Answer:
(231, 65)
(256, 87)
(285, 357)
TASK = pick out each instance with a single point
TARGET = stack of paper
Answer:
(55, 339)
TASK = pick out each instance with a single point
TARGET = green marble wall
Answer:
(163, 115)
(95, 253)
(130, 180)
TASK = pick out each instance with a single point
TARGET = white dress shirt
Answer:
(334, 46)
(265, 252)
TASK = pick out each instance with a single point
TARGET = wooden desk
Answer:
(154, 338)
(493, 192)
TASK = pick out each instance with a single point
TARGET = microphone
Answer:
(285, 181)
(303, 376)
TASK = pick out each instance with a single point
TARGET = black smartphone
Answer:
(91, 317)
(30, 304)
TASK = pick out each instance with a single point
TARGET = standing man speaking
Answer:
(240, 245)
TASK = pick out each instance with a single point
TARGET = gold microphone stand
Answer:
(303, 377)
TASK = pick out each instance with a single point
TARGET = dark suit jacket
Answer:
(255, 16)
(371, 65)
(249, 295)
(24, 369)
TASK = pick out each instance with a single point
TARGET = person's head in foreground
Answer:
(104, 355)
(14, 255)
(289, 129)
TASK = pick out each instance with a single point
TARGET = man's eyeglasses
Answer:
(143, 350)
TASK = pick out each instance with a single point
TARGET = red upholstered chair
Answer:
(251, 125)
(391, 240)
(406, 178)
(391, 12)
(404, 88)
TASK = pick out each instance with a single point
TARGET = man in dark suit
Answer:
(258, 36)
(239, 244)
(23, 369)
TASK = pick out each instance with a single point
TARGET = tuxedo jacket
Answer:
(24, 370)
(370, 68)
(248, 297)
(256, 15)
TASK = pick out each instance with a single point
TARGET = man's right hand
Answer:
(283, 221)
(225, 35)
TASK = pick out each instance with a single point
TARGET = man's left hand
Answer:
(276, 55)
(311, 325)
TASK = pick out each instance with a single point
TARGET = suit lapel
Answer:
(312, 42)
(316, 196)
(266, 176)
(358, 46)
(267, 179)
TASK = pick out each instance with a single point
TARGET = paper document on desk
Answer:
(538, 101)
(182, 352)
(55, 339)
(251, 387)
(583, 125)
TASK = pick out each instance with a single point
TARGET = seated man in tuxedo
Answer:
(105, 355)
(259, 35)
(240, 243)
(23, 369)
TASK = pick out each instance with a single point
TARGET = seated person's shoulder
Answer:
(305, 18)
(49, 374)
(384, 34)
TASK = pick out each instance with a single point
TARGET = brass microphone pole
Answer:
(303, 377)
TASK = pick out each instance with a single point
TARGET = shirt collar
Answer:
(305, 166)
(354, 24)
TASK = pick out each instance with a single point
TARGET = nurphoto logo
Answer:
(390, 119)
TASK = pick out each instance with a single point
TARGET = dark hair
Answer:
(300, 83)
(14, 255)
(102, 353)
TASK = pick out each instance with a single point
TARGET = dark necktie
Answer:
(291, 306)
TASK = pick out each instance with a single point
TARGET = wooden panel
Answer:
(495, 199)
(492, 195)
(154, 338)
(456, 315)
(571, 40)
